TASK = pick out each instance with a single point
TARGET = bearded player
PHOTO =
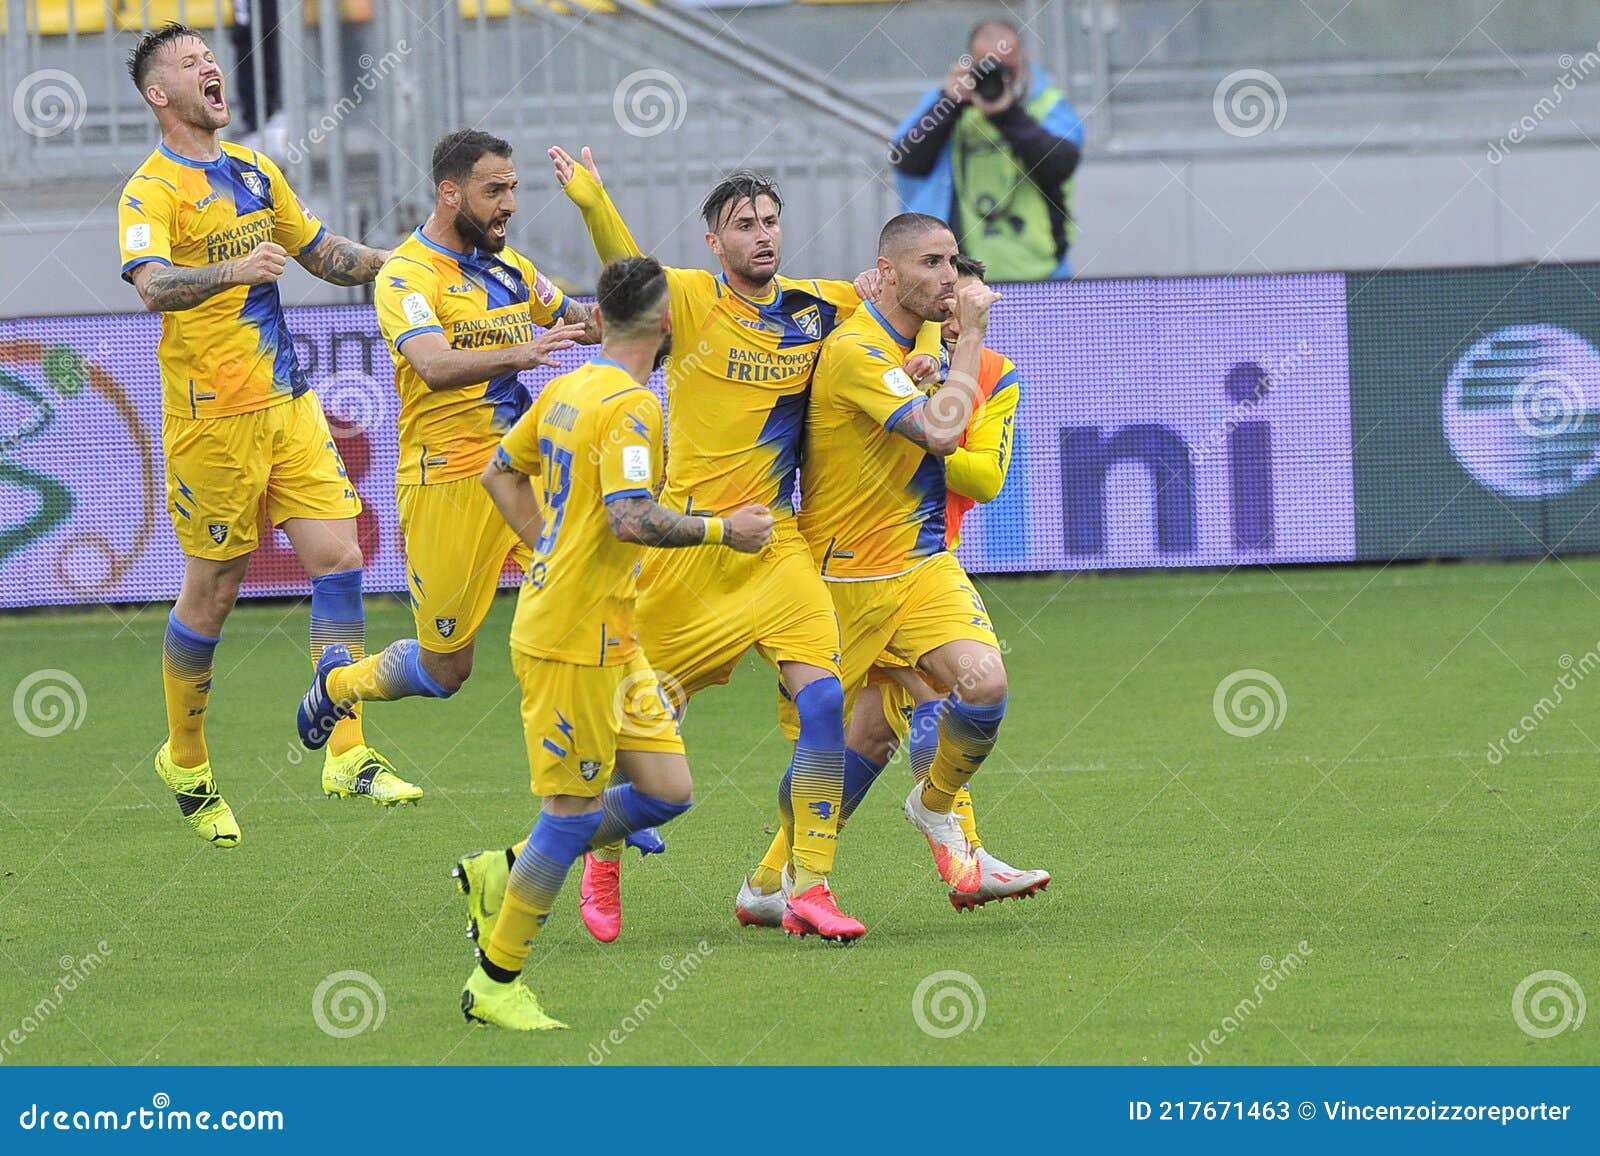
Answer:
(458, 309)
(878, 531)
(207, 227)
(897, 703)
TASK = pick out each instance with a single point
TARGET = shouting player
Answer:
(743, 346)
(877, 530)
(207, 227)
(458, 309)
(897, 703)
(590, 700)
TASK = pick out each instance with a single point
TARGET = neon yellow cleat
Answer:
(504, 1005)
(482, 877)
(207, 812)
(363, 771)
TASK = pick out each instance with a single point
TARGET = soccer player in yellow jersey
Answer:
(458, 309)
(874, 514)
(591, 702)
(897, 703)
(206, 229)
(744, 343)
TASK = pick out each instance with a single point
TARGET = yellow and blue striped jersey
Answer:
(593, 436)
(873, 502)
(232, 353)
(478, 301)
(737, 386)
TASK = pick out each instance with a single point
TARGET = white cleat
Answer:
(753, 909)
(1000, 881)
(952, 855)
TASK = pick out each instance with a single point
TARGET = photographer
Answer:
(993, 153)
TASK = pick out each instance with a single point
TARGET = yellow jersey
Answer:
(873, 502)
(593, 436)
(738, 374)
(737, 384)
(478, 301)
(231, 353)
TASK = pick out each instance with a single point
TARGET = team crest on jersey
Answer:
(252, 181)
(446, 626)
(588, 769)
(219, 532)
(809, 320)
(501, 276)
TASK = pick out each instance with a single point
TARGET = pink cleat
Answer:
(816, 912)
(600, 898)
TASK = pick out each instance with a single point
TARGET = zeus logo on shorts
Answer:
(445, 626)
(219, 532)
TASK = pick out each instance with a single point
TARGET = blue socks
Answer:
(859, 775)
(924, 736)
(625, 810)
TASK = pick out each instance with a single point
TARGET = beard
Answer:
(476, 233)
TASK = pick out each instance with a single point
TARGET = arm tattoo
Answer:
(913, 426)
(578, 313)
(641, 520)
(341, 261)
(171, 288)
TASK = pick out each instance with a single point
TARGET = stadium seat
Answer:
(135, 15)
(139, 14)
(57, 17)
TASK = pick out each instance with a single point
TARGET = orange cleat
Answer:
(1000, 881)
(816, 912)
(952, 856)
(600, 898)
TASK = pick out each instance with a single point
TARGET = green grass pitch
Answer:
(1417, 882)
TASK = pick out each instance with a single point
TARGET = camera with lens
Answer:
(992, 78)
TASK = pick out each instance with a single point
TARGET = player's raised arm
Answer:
(173, 288)
(645, 521)
(442, 367)
(341, 261)
(938, 423)
(582, 184)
